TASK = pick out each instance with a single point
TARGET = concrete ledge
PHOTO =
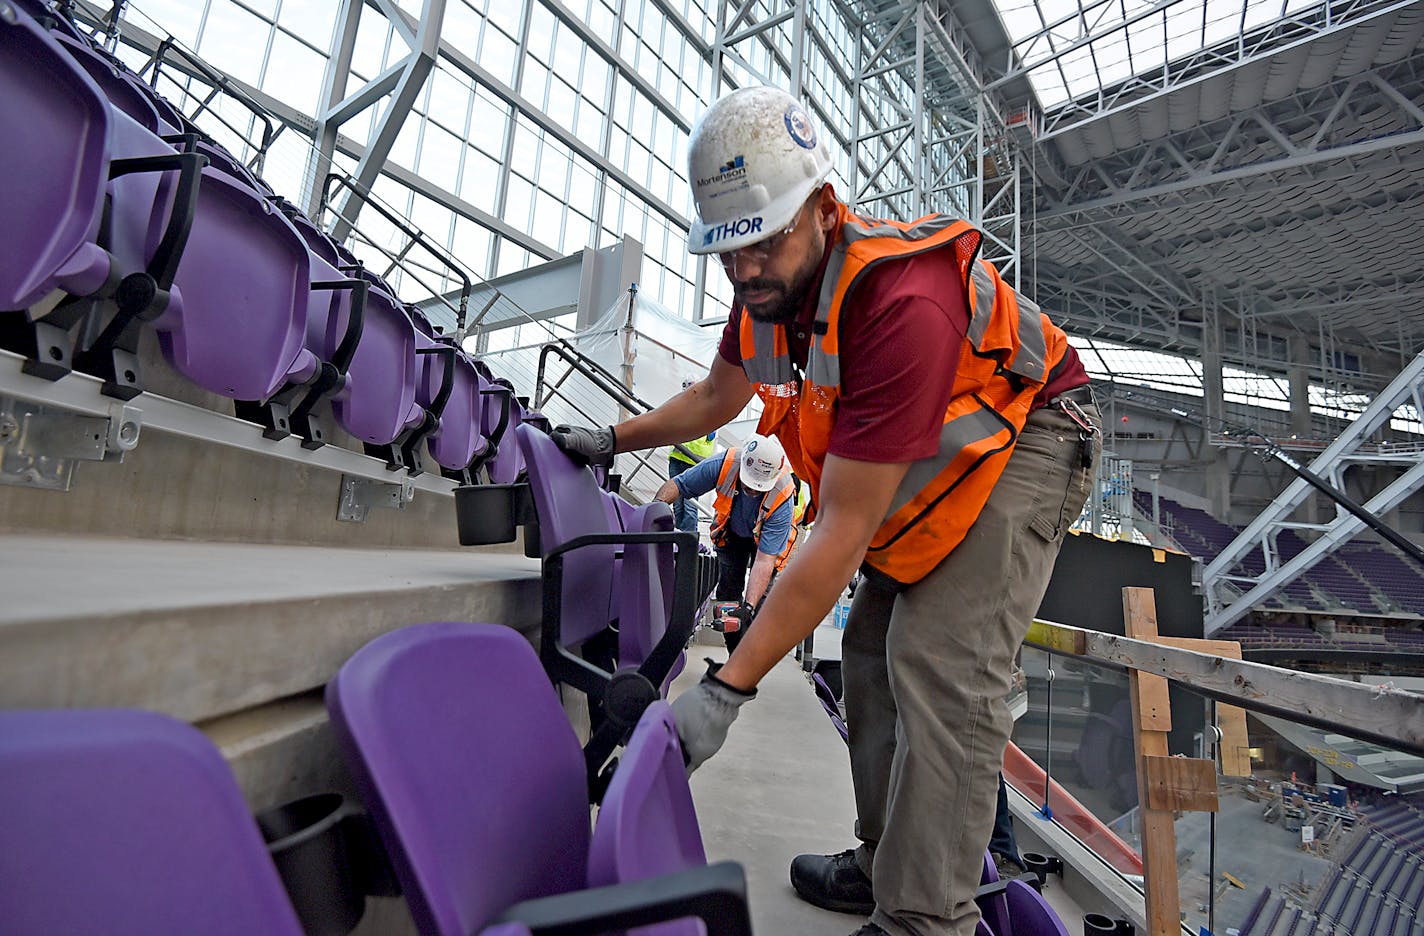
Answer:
(199, 630)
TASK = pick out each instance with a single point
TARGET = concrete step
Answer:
(237, 638)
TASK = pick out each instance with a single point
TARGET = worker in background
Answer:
(948, 434)
(752, 520)
(684, 510)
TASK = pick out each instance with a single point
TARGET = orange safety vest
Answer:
(1009, 353)
(726, 490)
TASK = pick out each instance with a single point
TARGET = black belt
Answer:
(1083, 396)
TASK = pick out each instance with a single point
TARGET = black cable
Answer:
(1267, 448)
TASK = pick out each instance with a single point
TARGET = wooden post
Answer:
(1151, 720)
(1234, 748)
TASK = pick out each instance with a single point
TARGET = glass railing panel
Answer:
(1073, 754)
(1327, 834)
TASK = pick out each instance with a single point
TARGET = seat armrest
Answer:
(715, 894)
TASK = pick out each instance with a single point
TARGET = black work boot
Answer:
(833, 882)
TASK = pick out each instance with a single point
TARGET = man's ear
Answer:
(826, 208)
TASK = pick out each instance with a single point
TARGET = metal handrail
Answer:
(597, 375)
(366, 196)
(190, 64)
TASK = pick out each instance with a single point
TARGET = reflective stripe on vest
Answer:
(1013, 348)
(771, 364)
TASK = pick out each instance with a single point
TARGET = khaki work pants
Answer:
(926, 674)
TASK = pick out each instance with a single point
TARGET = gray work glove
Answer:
(704, 713)
(586, 446)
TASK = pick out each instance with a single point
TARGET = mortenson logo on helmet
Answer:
(730, 171)
(736, 228)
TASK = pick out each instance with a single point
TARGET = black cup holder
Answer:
(329, 859)
(489, 513)
(1097, 924)
(1042, 865)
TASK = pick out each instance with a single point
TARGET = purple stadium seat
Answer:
(127, 823)
(245, 278)
(53, 186)
(586, 591)
(1030, 914)
(113, 80)
(647, 825)
(570, 505)
(994, 907)
(337, 313)
(508, 462)
(436, 383)
(486, 806)
(457, 440)
(80, 149)
(827, 698)
(376, 399)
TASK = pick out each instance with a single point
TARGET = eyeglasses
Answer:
(764, 248)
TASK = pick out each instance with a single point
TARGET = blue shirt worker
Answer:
(752, 522)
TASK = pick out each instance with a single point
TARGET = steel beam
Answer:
(1125, 179)
(338, 73)
(415, 69)
(1329, 19)
(1405, 388)
(1336, 534)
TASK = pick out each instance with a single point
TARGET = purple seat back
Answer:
(121, 823)
(472, 774)
(52, 187)
(232, 167)
(379, 393)
(245, 279)
(642, 593)
(632, 517)
(570, 504)
(647, 825)
(994, 908)
(1031, 914)
(118, 90)
(510, 459)
(454, 444)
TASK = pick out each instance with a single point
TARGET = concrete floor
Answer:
(781, 786)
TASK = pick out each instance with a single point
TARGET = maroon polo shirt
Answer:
(901, 334)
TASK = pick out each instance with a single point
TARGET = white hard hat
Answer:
(762, 460)
(753, 159)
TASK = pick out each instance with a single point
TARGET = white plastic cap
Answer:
(762, 461)
(753, 158)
